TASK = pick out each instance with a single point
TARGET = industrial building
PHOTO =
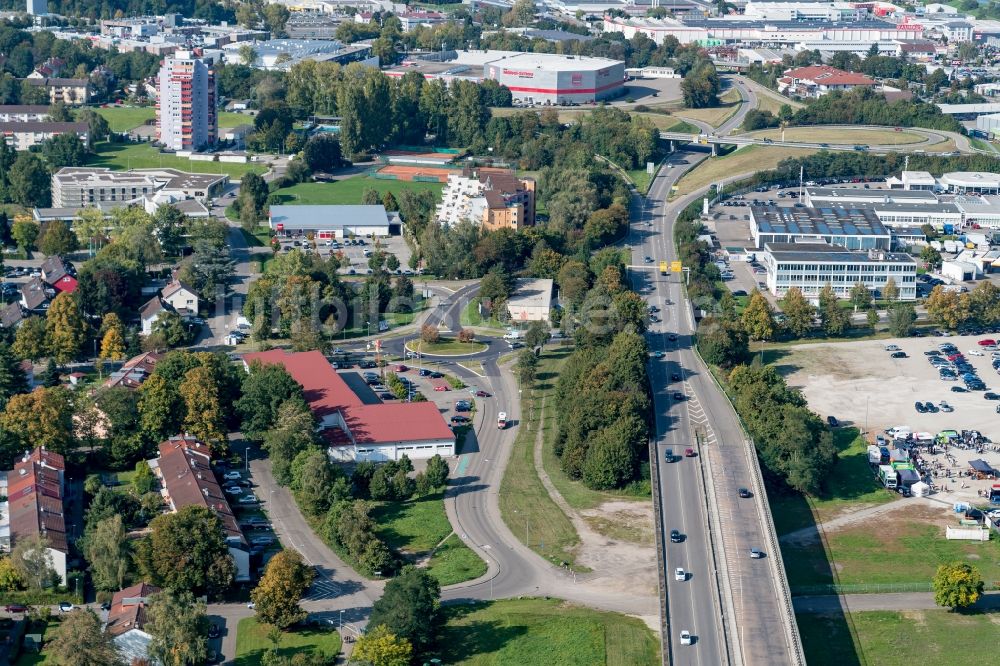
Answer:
(852, 229)
(283, 53)
(531, 300)
(328, 222)
(818, 80)
(533, 78)
(810, 266)
(353, 429)
(186, 106)
(848, 196)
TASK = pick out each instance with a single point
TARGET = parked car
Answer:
(15, 608)
(400, 368)
(233, 490)
(442, 387)
(899, 354)
(213, 631)
(385, 395)
(66, 607)
(991, 395)
(232, 475)
(919, 406)
(892, 348)
(959, 389)
(945, 407)
(248, 499)
(460, 419)
(832, 421)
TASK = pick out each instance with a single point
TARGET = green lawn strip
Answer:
(525, 504)
(350, 190)
(125, 118)
(890, 638)
(252, 642)
(122, 156)
(536, 631)
(29, 658)
(470, 317)
(641, 179)
(415, 527)
(229, 119)
(454, 562)
(849, 485)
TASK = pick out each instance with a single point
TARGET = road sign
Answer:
(650, 166)
(675, 267)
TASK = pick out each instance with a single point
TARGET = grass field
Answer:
(446, 347)
(903, 638)
(982, 144)
(470, 317)
(454, 562)
(252, 642)
(125, 118)
(879, 137)
(525, 505)
(29, 658)
(745, 160)
(536, 631)
(849, 485)
(350, 191)
(729, 103)
(145, 156)
(229, 119)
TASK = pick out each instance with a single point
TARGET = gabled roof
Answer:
(174, 287)
(828, 76)
(33, 294)
(53, 268)
(128, 608)
(11, 315)
(67, 284)
(135, 371)
(152, 307)
(35, 498)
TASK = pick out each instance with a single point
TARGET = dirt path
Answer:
(810, 534)
(615, 564)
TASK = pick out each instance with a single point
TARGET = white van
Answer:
(899, 432)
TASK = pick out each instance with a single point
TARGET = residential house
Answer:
(127, 621)
(35, 295)
(818, 80)
(24, 113)
(180, 297)
(134, 372)
(73, 92)
(48, 69)
(187, 478)
(26, 135)
(11, 316)
(34, 506)
(59, 274)
(492, 198)
(150, 312)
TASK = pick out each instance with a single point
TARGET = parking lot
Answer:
(860, 384)
(355, 250)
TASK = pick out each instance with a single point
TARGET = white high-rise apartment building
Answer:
(186, 114)
(37, 7)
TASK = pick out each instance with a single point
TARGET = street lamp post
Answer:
(341, 622)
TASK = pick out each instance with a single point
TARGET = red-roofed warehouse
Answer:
(357, 431)
(817, 80)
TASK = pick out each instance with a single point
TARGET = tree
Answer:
(64, 150)
(58, 239)
(380, 647)
(29, 340)
(322, 152)
(24, 231)
(799, 313)
(12, 378)
(536, 335)
(285, 580)
(833, 318)
(521, 14)
(758, 319)
(203, 415)
(80, 640)
(902, 317)
(946, 308)
(186, 551)
(265, 389)
(10, 577)
(429, 334)
(722, 343)
(293, 432)
(437, 471)
(890, 292)
(930, 257)
(957, 585)
(33, 561)
(29, 181)
(409, 608)
(43, 417)
(160, 407)
(861, 297)
(179, 627)
(312, 479)
(872, 317)
(526, 367)
(700, 87)
(113, 340)
(107, 551)
(65, 328)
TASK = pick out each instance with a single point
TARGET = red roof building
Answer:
(66, 284)
(187, 478)
(817, 80)
(127, 621)
(359, 431)
(34, 506)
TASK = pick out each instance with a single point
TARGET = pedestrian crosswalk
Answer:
(322, 589)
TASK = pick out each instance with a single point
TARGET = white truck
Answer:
(512, 335)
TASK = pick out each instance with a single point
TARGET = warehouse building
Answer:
(531, 300)
(533, 78)
(848, 196)
(852, 229)
(810, 266)
(327, 222)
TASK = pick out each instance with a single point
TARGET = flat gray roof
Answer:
(328, 216)
(531, 294)
(821, 252)
(812, 221)
(850, 192)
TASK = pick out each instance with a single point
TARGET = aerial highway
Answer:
(736, 607)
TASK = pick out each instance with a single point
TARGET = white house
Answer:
(180, 297)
